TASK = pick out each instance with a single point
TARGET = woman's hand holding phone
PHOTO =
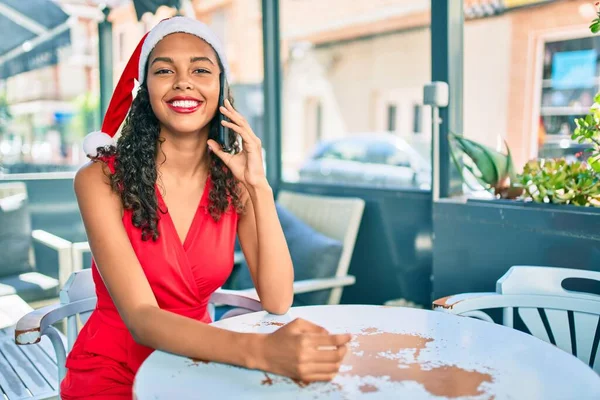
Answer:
(247, 165)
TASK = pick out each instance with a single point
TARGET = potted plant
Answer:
(493, 170)
(547, 181)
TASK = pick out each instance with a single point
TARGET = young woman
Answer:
(161, 208)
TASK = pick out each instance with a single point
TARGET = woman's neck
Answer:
(184, 157)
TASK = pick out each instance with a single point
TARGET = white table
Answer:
(397, 353)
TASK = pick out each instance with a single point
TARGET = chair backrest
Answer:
(336, 217)
(550, 281)
(8, 189)
(15, 230)
(558, 305)
(570, 327)
(79, 286)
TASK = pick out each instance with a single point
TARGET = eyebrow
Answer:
(192, 60)
(165, 59)
(196, 59)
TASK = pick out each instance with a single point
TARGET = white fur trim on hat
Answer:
(180, 25)
(93, 140)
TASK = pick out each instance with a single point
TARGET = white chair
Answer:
(558, 305)
(78, 298)
(28, 283)
(336, 217)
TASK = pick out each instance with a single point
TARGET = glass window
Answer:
(569, 84)
(387, 154)
(367, 62)
(368, 160)
(345, 150)
(530, 68)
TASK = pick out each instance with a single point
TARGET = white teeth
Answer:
(185, 103)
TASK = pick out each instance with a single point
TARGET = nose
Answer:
(182, 84)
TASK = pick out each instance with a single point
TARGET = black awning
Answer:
(144, 6)
(31, 32)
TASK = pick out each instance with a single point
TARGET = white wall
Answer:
(486, 84)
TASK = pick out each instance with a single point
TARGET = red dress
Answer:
(105, 358)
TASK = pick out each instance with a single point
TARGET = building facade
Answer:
(351, 68)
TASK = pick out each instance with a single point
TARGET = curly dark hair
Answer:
(136, 172)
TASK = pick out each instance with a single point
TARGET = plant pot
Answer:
(478, 241)
(536, 205)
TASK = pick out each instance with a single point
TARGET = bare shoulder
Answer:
(91, 174)
(92, 185)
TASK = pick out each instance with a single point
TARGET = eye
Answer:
(162, 71)
(202, 71)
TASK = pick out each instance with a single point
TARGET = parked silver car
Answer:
(374, 159)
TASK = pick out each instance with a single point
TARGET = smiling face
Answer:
(183, 83)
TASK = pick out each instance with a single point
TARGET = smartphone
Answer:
(224, 133)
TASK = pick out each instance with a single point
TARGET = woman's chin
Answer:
(191, 129)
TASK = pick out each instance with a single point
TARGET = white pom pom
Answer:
(94, 140)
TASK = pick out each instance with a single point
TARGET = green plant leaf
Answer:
(468, 167)
(493, 165)
(594, 162)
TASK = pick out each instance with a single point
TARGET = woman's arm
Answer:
(129, 289)
(293, 350)
(265, 249)
(259, 230)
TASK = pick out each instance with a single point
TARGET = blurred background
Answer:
(335, 90)
(353, 73)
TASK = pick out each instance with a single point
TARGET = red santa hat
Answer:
(135, 70)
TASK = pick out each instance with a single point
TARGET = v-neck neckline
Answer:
(167, 214)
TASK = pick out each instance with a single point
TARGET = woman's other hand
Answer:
(304, 351)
